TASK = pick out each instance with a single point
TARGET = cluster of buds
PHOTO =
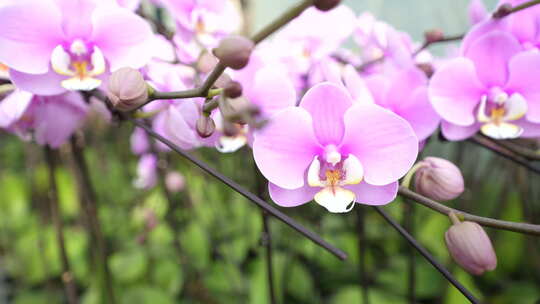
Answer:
(470, 246)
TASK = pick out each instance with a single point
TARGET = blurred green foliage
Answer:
(213, 253)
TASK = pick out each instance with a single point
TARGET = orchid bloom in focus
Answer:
(73, 43)
(491, 88)
(333, 151)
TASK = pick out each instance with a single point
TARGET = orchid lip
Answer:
(332, 176)
(503, 110)
(81, 66)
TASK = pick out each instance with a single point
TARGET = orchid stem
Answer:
(89, 205)
(498, 14)
(248, 195)
(494, 146)
(205, 89)
(484, 221)
(266, 236)
(362, 246)
(427, 44)
(408, 224)
(67, 275)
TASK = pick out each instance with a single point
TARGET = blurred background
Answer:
(207, 246)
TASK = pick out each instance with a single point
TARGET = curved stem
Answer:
(484, 221)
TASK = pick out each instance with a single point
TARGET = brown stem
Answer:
(89, 205)
(427, 44)
(484, 221)
(67, 276)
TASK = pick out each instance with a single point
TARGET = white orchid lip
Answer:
(331, 176)
(497, 123)
(81, 66)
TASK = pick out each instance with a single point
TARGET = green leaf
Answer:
(128, 266)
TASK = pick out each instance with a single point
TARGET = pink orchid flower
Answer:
(334, 152)
(50, 119)
(206, 20)
(73, 43)
(405, 93)
(523, 25)
(491, 91)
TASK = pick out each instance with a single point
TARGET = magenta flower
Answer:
(335, 152)
(54, 45)
(491, 91)
(50, 120)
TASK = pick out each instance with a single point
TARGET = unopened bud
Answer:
(233, 89)
(433, 36)
(326, 5)
(175, 182)
(471, 247)
(235, 110)
(439, 179)
(205, 126)
(127, 89)
(503, 11)
(427, 68)
(234, 51)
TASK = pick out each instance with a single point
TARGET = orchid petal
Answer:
(291, 198)
(30, 32)
(384, 143)
(122, 36)
(336, 199)
(492, 66)
(524, 74)
(284, 149)
(374, 195)
(455, 90)
(327, 103)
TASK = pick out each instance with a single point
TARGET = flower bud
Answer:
(503, 11)
(234, 51)
(205, 126)
(326, 5)
(433, 36)
(439, 179)
(127, 89)
(471, 247)
(206, 62)
(233, 89)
